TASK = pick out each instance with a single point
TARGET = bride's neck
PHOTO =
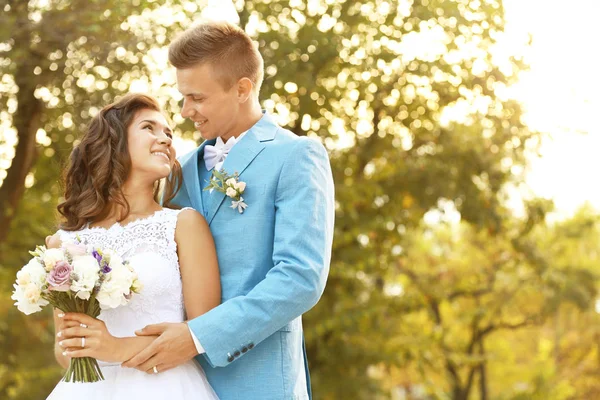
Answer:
(140, 198)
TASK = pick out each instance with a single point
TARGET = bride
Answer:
(110, 201)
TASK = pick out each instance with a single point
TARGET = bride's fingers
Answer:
(77, 353)
(74, 343)
(75, 331)
(70, 324)
(79, 319)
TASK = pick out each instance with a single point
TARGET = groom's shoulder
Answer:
(285, 138)
(286, 141)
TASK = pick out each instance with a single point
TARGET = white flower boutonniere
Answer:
(231, 186)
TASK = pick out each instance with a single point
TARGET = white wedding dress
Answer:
(149, 245)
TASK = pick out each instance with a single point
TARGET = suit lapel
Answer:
(239, 158)
(191, 178)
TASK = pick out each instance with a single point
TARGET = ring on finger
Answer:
(83, 325)
(82, 342)
(155, 369)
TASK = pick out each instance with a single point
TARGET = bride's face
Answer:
(150, 146)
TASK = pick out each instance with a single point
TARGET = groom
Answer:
(274, 255)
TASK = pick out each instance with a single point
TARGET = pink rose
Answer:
(59, 278)
(75, 249)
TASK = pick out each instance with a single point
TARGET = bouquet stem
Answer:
(83, 369)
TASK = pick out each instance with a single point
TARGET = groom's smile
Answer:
(198, 124)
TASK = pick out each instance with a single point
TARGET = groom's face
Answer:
(213, 108)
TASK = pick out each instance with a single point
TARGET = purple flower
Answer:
(97, 256)
(105, 268)
(59, 278)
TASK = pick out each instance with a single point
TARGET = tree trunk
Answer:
(26, 120)
(458, 393)
(458, 390)
(483, 390)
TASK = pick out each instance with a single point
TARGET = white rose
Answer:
(86, 270)
(231, 192)
(86, 266)
(23, 294)
(52, 256)
(32, 293)
(115, 261)
(122, 276)
(82, 292)
(36, 271)
(116, 285)
(23, 277)
(111, 295)
(230, 182)
(240, 186)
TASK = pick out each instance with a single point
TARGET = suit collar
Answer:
(239, 158)
(191, 179)
(266, 128)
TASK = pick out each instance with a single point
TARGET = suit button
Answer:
(244, 349)
(230, 357)
(236, 354)
(251, 346)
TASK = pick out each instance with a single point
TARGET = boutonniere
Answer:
(231, 186)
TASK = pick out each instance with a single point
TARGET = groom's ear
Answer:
(244, 89)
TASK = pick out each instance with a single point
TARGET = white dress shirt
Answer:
(214, 156)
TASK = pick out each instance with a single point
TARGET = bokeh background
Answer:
(463, 140)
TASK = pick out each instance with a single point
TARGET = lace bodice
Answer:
(149, 246)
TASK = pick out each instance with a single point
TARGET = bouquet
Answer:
(80, 278)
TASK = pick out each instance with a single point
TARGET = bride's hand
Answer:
(84, 336)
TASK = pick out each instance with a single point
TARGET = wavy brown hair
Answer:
(100, 164)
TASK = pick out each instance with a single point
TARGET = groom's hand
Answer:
(172, 348)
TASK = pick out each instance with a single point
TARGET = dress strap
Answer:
(171, 217)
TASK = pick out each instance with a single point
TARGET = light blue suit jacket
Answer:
(274, 261)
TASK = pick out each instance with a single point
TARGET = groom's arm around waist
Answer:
(303, 234)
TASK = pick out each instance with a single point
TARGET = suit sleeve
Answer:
(304, 216)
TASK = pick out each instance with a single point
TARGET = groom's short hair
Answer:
(226, 47)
